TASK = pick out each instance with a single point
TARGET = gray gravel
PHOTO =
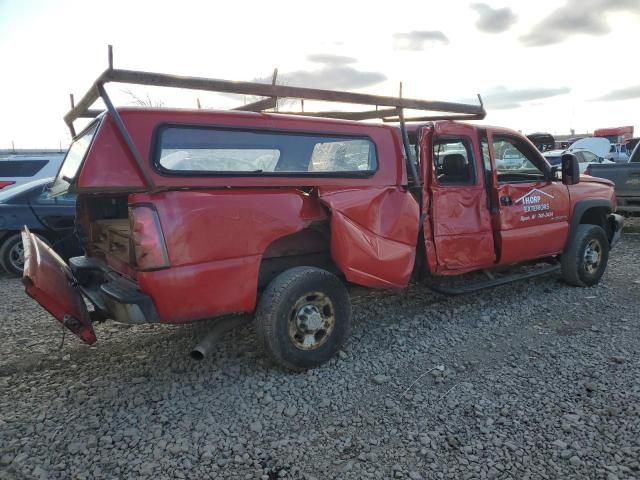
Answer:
(533, 380)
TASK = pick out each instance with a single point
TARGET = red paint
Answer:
(47, 280)
(109, 167)
(217, 230)
(459, 220)
(373, 235)
(215, 240)
(5, 184)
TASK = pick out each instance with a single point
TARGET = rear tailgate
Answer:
(49, 281)
(625, 176)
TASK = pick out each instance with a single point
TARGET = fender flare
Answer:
(579, 209)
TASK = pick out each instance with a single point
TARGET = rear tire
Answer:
(303, 317)
(585, 261)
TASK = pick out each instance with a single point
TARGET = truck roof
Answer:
(306, 122)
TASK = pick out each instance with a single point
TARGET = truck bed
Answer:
(626, 177)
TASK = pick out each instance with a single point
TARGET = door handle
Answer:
(506, 201)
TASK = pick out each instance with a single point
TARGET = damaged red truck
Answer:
(192, 214)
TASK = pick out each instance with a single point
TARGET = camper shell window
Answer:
(196, 150)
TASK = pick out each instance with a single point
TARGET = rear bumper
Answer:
(617, 223)
(112, 295)
(628, 204)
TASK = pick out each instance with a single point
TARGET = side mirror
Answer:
(570, 169)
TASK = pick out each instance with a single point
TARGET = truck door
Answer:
(457, 221)
(532, 212)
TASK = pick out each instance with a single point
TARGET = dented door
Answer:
(457, 222)
(49, 281)
(374, 234)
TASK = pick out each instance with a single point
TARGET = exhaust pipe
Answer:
(221, 327)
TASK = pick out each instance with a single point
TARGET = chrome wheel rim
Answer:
(311, 321)
(16, 256)
(592, 256)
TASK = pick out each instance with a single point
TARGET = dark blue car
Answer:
(51, 218)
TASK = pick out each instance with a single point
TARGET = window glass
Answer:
(514, 161)
(589, 157)
(21, 168)
(196, 149)
(73, 159)
(453, 161)
(486, 161)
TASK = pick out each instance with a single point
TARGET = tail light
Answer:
(148, 241)
(5, 184)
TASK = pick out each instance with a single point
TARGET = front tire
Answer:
(303, 317)
(585, 261)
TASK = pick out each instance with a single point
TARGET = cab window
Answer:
(515, 162)
(453, 161)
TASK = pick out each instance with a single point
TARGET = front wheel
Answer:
(12, 255)
(303, 317)
(585, 260)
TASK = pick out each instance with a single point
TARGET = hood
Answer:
(590, 179)
(599, 146)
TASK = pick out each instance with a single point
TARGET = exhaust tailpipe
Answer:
(221, 327)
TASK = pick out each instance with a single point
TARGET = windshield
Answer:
(73, 160)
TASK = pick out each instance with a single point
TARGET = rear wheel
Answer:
(303, 317)
(585, 261)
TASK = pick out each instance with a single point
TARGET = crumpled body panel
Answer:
(374, 234)
(462, 229)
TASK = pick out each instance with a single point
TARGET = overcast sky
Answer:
(548, 65)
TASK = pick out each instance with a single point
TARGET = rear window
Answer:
(73, 159)
(21, 168)
(199, 150)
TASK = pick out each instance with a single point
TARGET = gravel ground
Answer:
(532, 380)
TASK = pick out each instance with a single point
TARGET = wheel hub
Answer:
(16, 256)
(592, 256)
(311, 321)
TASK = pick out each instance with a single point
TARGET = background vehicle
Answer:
(615, 134)
(618, 153)
(626, 178)
(22, 166)
(52, 219)
(631, 144)
(585, 158)
(542, 141)
(203, 213)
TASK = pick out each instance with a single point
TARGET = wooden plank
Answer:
(364, 115)
(258, 106)
(282, 91)
(263, 90)
(432, 118)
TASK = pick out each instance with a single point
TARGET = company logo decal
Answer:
(536, 203)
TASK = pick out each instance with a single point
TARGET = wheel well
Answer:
(598, 216)
(310, 247)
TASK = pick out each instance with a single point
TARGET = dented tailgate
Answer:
(49, 281)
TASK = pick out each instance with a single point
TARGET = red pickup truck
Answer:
(193, 214)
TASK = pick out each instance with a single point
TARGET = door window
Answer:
(453, 161)
(515, 162)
